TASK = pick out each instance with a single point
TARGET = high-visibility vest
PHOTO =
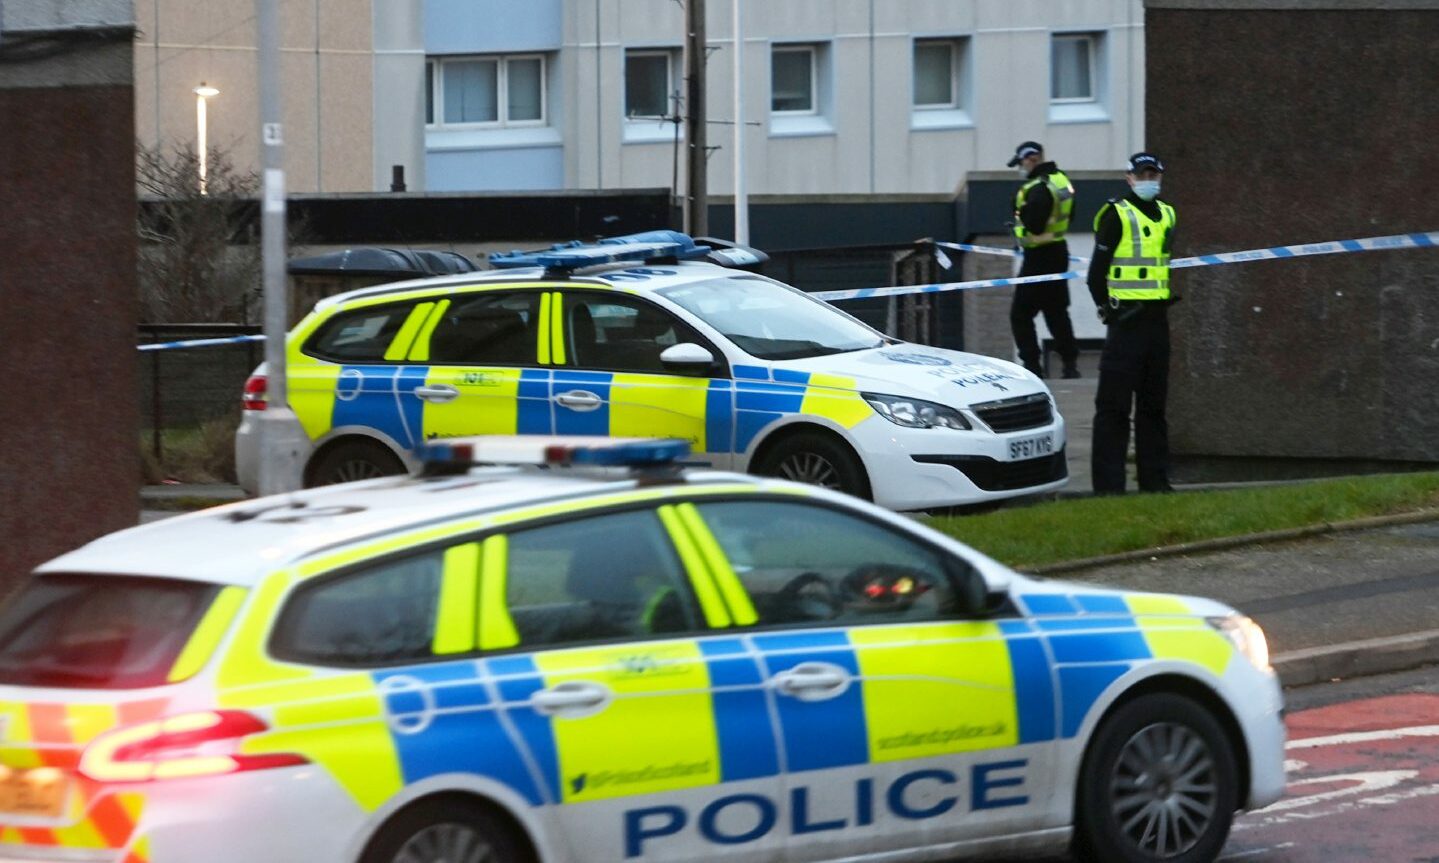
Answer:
(1140, 269)
(1061, 194)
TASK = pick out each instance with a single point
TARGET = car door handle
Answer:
(437, 393)
(571, 698)
(812, 681)
(580, 400)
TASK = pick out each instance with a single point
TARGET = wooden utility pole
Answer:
(697, 194)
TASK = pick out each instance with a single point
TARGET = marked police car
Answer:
(632, 337)
(584, 663)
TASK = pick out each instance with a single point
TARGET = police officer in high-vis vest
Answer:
(1042, 208)
(1129, 280)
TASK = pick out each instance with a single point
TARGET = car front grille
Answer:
(1024, 412)
(991, 475)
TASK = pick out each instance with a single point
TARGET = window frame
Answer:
(669, 55)
(310, 349)
(458, 297)
(435, 104)
(721, 368)
(956, 98)
(812, 49)
(274, 651)
(1092, 40)
(956, 567)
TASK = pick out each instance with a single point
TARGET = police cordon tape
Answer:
(1333, 247)
(982, 250)
(201, 343)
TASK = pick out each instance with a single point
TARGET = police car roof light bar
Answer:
(644, 247)
(455, 455)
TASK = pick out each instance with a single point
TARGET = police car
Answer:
(633, 336)
(579, 661)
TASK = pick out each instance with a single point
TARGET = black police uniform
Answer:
(1049, 298)
(1133, 368)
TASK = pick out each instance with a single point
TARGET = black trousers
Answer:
(1048, 298)
(1134, 368)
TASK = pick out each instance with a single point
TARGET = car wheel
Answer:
(1159, 782)
(454, 831)
(817, 459)
(352, 461)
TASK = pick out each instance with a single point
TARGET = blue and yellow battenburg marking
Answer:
(1096, 639)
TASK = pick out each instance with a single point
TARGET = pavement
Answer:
(1340, 603)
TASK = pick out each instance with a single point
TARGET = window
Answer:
(792, 80)
(488, 329)
(621, 335)
(381, 615)
(936, 73)
(649, 83)
(772, 321)
(98, 631)
(608, 576)
(807, 564)
(360, 336)
(493, 91)
(1073, 67)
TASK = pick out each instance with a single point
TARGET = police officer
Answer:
(1042, 209)
(1129, 281)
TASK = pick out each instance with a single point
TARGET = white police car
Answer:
(632, 337)
(605, 663)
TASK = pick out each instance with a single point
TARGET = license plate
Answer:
(40, 791)
(1031, 447)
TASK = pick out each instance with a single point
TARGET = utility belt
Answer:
(1120, 311)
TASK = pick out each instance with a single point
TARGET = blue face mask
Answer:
(1147, 190)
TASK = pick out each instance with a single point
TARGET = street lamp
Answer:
(202, 92)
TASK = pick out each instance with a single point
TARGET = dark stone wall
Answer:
(1287, 126)
(69, 467)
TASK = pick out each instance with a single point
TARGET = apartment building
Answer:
(840, 96)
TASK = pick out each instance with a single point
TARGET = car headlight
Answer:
(1247, 638)
(916, 413)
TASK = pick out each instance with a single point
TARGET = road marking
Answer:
(1376, 780)
(1255, 852)
(1364, 737)
(1341, 808)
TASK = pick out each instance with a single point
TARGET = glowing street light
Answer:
(203, 92)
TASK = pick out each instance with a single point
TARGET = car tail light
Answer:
(187, 745)
(254, 398)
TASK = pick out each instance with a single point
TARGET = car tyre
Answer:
(1159, 783)
(449, 829)
(817, 459)
(352, 461)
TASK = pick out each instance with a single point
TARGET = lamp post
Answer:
(203, 92)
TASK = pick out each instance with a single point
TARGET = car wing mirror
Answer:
(687, 357)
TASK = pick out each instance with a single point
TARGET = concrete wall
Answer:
(1291, 122)
(68, 464)
(328, 78)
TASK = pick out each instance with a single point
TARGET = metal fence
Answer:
(185, 389)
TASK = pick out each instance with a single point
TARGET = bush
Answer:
(205, 454)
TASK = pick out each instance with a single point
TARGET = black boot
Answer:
(1071, 371)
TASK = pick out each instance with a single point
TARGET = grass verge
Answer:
(1074, 529)
(205, 453)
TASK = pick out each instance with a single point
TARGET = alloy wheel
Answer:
(1164, 789)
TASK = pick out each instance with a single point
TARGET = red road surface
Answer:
(1363, 786)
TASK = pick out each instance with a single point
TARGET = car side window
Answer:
(499, 329)
(618, 334)
(805, 564)
(376, 616)
(359, 336)
(603, 577)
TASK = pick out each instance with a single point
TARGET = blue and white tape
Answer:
(201, 343)
(1334, 247)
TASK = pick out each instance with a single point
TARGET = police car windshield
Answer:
(772, 321)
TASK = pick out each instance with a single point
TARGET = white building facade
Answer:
(841, 96)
